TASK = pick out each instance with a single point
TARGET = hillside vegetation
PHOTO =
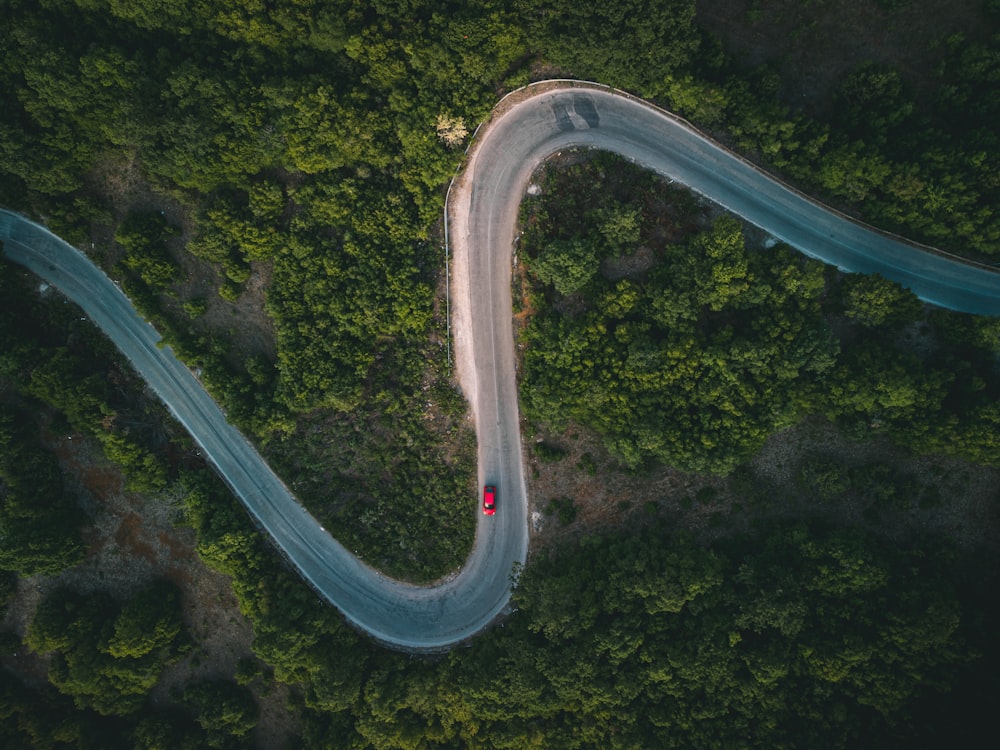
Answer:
(683, 344)
(265, 180)
(297, 153)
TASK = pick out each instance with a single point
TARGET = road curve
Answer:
(398, 614)
(482, 216)
(551, 116)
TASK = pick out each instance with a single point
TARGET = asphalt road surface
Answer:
(484, 213)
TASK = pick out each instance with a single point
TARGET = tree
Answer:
(39, 520)
(149, 621)
(873, 103)
(226, 711)
(100, 658)
(691, 363)
(634, 45)
(721, 275)
(875, 302)
(566, 264)
(621, 228)
(451, 130)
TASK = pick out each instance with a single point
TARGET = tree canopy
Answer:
(305, 146)
(107, 656)
(694, 356)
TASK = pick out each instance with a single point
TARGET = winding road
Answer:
(525, 129)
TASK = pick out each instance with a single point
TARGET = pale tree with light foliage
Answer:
(451, 130)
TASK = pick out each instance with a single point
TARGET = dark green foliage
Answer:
(39, 521)
(10, 644)
(248, 669)
(303, 136)
(633, 44)
(299, 636)
(696, 360)
(392, 491)
(105, 658)
(883, 487)
(162, 731)
(823, 478)
(621, 229)
(43, 718)
(693, 363)
(52, 355)
(306, 136)
(31, 718)
(566, 264)
(873, 486)
(648, 640)
(143, 236)
(71, 384)
(875, 302)
(341, 304)
(549, 453)
(923, 166)
(883, 385)
(226, 711)
(705, 495)
(149, 621)
(563, 508)
(195, 308)
(8, 585)
(873, 103)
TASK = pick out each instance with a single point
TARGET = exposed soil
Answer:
(813, 44)
(133, 539)
(612, 498)
(605, 497)
(244, 323)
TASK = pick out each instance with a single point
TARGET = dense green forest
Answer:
(209, 147)
(305, 146)
(681, 344)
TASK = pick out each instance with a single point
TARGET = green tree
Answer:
(875, 302)
(604, 41)
(680, 364)
(566, 264)
(149, 621)
(873, 102)
(86, 633)
(39, 520)
(621, 228)
(226, 711)
(721, 275)
(143, 237)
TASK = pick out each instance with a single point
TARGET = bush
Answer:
(706, 495)
(548, 453)
(563, 508)
(587, 464)
(823, 477)
(224, 710)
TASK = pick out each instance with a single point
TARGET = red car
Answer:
(489, 500)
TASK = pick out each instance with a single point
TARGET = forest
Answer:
(298, 147)
(694, 355)
(266, 181)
